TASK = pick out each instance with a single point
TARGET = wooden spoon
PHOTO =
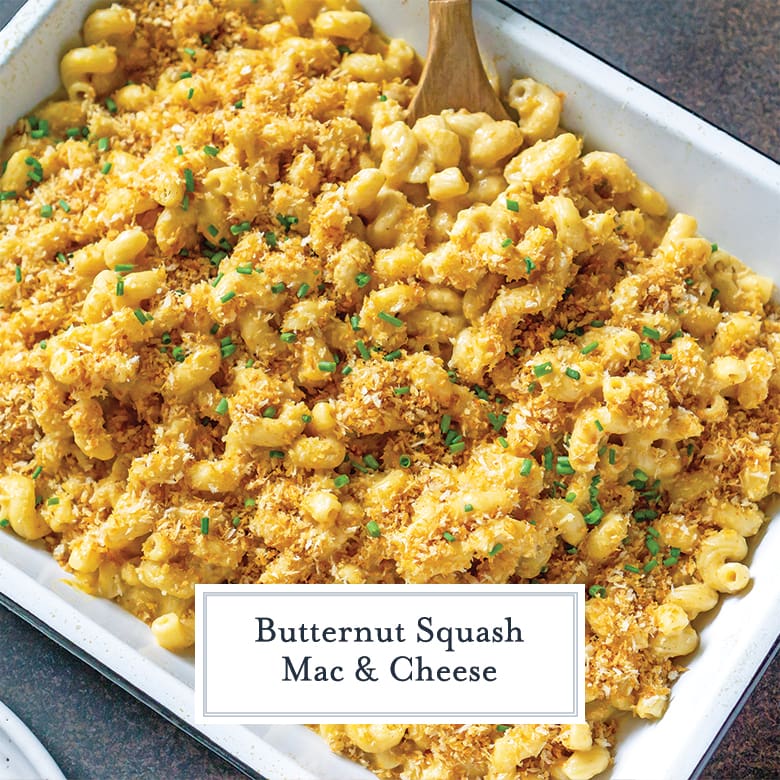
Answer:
(453, 76)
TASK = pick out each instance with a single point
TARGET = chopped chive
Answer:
(47, 210)
(645, 351)
(503, 442)
(563, 466)
(120, 287)
(597, 591)
(572, 373)
(547, 459)
(190, 93)
(715, 293)
(241, 227)
(382, 98)
(599, 426)
(279, 287)
(670, 561)
(245, 270)
(211, 151)
(468, 507)
(37, 472)
(612, 456)
(714, 247)
(630, 567)
(558, 333)
(178, 354)
(185, 74)
(63, 204)
(371, 462)
(307, 418)
(250, 502)
(653, 531)
(597, 323)
(236, 522)
(529, 264)
(446, 422)
(227, 350)
(448, 536)
(213, 230)
(363, 349)
(570, 497)
(496, 549)
(354, 321)
(373, 529)
(288, 337)
(404, 461)
(651, 333)
(189, 180)
(347, 370)
(188, 50)
(588, 348)
(204, 525)
(328, 366)
(341, 481)
(650, 565)
(594, 517)
(665, 356)
(394, 355)
(238, 104)
(506, 242)
(389, 318)
(512, 205)
(217, 279)
(166, 338)
(227, 296)
(43, 344)
(111, 105)
(303, 290)
(103, 144)
(457, 446)
(533, 387)
(645, 514)
(401, 390)
(342, 49)
(270, 239)
(543, 368)
(640, 475)
(249, 363)
(362, 279)
(140, 315)
(179, 150)
(497, 421)
(5, 522)
(7, 194)
(525, 469)
(286, 221)
(222, 406)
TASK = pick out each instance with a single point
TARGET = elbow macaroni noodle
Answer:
(257, 329)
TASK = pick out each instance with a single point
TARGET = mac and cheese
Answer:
(255, 328)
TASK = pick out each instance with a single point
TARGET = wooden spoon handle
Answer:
(453, 76)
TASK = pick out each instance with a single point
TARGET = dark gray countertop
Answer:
(719, 58)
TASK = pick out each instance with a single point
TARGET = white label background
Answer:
(240, 680)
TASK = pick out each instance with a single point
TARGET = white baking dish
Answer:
(732, 190)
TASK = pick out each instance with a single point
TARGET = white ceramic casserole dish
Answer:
(733, 191)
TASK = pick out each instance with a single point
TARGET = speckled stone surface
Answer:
(717, 58)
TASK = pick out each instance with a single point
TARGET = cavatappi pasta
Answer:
(257, 329)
